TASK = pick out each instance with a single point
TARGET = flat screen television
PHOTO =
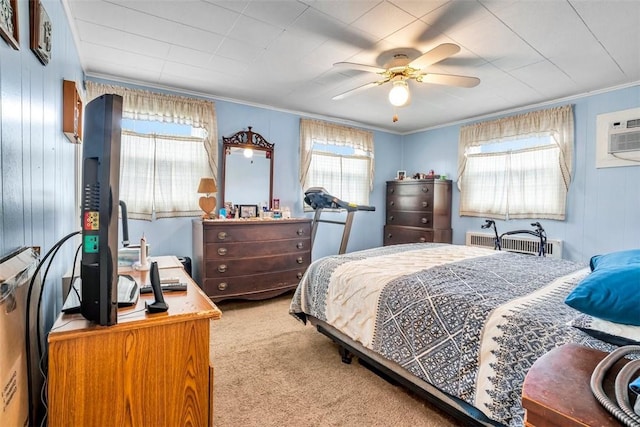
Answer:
(99, 212)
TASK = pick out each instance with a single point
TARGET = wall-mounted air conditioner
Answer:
(618, 138)
(624, 136)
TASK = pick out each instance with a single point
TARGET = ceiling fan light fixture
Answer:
(399, 93)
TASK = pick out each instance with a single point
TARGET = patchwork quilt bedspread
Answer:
(467, 320)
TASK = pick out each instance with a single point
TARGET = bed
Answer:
(459, 325)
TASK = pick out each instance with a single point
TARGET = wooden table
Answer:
(556, 390)
(147, 370)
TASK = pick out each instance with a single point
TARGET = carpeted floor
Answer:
(272, 370)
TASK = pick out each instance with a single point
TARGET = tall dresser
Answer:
(418, 210)
(250, 259)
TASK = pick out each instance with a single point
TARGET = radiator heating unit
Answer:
(515, 243)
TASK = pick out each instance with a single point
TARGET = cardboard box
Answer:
(14, 401)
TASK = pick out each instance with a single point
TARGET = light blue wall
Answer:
(173, 236)
(603, 205)
(37, 181)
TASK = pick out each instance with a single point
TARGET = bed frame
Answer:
(388, 370)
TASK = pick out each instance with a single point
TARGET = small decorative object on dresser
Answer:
(418, 211)
(248, 211)
(250, 259)
(9, 22)
(207, 202)
(400, 175)
(41, 31)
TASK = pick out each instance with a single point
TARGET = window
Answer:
(337, 158)
(160, 168)
(168, 144)
(517, 167)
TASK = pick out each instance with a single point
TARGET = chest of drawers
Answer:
(418, 211)
(250, 259)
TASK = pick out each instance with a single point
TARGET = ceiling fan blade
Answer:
(362, 67)
(358, 89)
(436, 54)
(449, 79)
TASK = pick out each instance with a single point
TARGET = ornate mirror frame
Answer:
(254, 141)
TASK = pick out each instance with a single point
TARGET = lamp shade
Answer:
(399, 93)
(207, 186)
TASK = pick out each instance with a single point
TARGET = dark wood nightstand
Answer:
(556, 390)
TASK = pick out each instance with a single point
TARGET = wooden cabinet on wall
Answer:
(250, 259)
(418, 211)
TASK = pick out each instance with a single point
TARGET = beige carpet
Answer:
(272, 370)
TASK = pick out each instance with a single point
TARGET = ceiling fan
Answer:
(401, 68)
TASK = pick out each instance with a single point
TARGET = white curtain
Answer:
(316, 131)
(144, 105)
(535, 178)
(136, 174)
(484, 190)
(497, 184)
(340, 175)
(155, 171)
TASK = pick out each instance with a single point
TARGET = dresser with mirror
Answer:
(246, 256)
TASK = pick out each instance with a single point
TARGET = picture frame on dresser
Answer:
(248, 211)
(9, 22)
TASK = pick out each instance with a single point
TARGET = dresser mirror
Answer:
(247, 174)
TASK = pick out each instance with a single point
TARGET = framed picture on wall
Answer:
(9, 22)
(248, 211)
(41, 31)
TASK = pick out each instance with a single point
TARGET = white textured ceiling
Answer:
(280, 54)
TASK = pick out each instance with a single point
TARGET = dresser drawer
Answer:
(397, 235)
(409, 188)
(411, 219)
(416, 203)
(256, 249)
(259, 265)
(252, 286)
(394, 235)
(239, 232)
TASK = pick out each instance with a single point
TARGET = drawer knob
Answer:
(422, 240)
(222, 286)
(425, 189)
(424, 220)
(390, 217)
(222, 235)
(300, 232)
(300, 245)
(222, 268)
(391, 190)
(299, 275)
(425, 204)
(299, 260)
(222, 251)
(392, 203)
(389, 235)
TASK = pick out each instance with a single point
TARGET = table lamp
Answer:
(208, 202)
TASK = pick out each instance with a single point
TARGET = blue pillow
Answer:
(619, 258)
(609, 293)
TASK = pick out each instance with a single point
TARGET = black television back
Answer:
(100, 198)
